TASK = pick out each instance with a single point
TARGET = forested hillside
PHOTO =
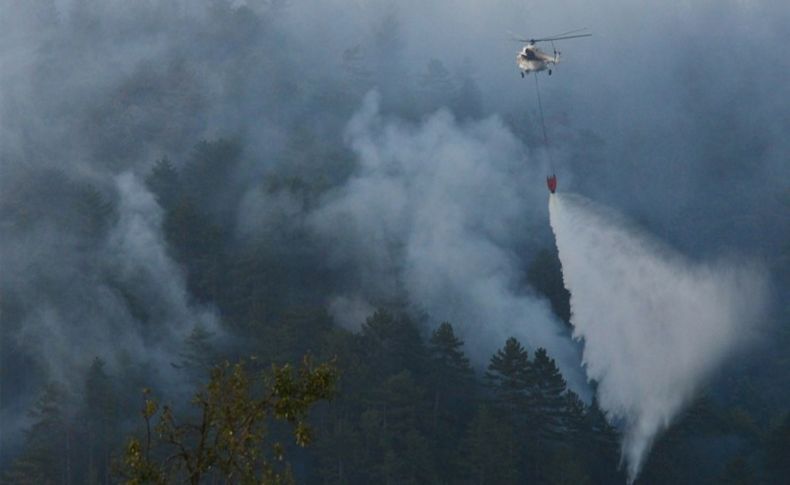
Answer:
(409, 406)
(183, 188)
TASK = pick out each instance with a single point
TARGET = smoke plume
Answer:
(433, 197)
(436, 212)
(88, 275)
(654, 324)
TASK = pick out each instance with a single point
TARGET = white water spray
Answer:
(654, 324)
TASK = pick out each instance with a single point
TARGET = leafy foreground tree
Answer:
(229, 437)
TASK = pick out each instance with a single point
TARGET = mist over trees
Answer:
(188, 183)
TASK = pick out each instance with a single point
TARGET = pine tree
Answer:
(778, 451)
(339, 452)
(197, 245)
(387, 47)
(452, 382)
(95, 211)
(163, 182)
(565, 468)
(510, 375)
(406, 453)
(198, 356)
(46, 457)
(490, 450)
(600, 444)
(210, 167)
(372, 451)
(99, 415)
(452, 376)
(545, 275)
(547, 399)
(598, 426)
(738, 471)
(394, 342)
(574, 417)
(445, 350)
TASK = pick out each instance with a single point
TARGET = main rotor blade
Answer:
(516, 38)
(570, 32)
(547, 39)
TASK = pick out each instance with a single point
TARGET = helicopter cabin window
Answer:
(530, 55)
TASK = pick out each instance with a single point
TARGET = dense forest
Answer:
(408, 408)
(185, 214)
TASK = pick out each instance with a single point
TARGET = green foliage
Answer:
(599, 445)
(452, 377)
(394, 341)
(96, 212)
(453, 383)
(196, 243)
(545, 275)
(738, 472)
(229, 438)
(198, 356)
(163, 181)
(490, 449)
(409, 409)
(778, 451)
(565, 468)
(447, 354)
(99, 415)
(405, 450)
(211, 164)
(510, 375)
(548, 403)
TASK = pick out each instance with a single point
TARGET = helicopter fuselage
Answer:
(532, 59)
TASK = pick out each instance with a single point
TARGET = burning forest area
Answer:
(445, 242)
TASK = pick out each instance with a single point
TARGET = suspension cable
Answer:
(543, 122)
(540, 109)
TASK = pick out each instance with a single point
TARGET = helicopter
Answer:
(531, 59)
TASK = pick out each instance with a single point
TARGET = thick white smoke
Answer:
(436, 211)
(90, 314)
(654, 324)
